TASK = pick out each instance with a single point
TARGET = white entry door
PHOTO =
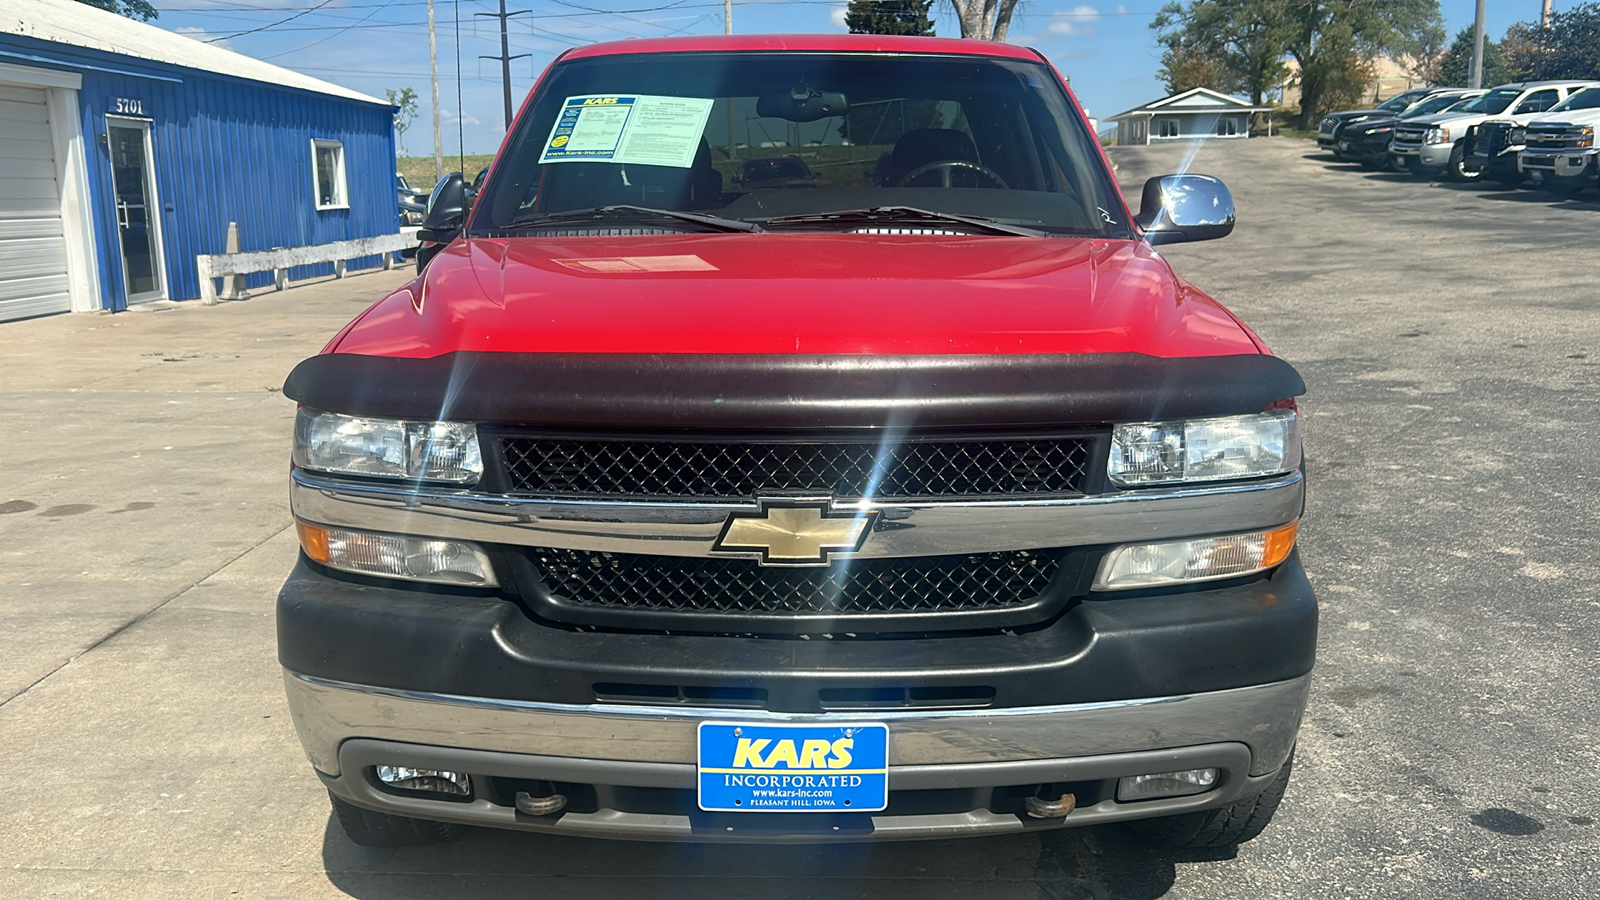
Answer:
(33, 249)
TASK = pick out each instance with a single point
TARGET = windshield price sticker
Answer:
(638, 129)
(793, 768)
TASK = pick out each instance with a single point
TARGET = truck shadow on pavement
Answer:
(1100, 862)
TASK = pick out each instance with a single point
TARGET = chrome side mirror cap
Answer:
(1179, 208)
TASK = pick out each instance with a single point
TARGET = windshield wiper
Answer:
(902, 214)
(625, 211)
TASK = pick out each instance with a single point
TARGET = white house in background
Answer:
(1195, 114)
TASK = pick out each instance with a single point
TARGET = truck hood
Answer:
(798, 293)
(1567, 117)
(1451, 119)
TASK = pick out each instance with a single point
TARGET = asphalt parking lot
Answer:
(1451, 341)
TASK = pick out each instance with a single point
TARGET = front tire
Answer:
(376, 829)
(1456, 168)
(1224, 827)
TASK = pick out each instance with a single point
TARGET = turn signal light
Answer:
(1133, 566)
(397, 556)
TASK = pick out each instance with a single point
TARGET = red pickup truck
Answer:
(923, 501)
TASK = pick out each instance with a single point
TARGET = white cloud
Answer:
(1121, 10)
(449, 115)
(837, 15)
(200, 34)
(1075, 22)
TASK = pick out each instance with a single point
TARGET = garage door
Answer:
(33, 250)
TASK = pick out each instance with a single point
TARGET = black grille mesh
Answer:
(916, 468)
(679, 584)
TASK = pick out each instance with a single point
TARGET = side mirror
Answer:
(447, 210)
(1179, 208)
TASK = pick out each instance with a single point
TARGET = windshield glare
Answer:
(1585, 98)
(1492, 102)
(757, 136)
(1436, 103)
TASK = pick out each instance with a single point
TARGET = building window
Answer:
(1227, 127)
(1169, 127)
(327, 174)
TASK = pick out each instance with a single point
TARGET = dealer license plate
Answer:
(1536, 175)
(793, 768)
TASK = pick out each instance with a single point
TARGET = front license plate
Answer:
(793, 768)
(1536, 175)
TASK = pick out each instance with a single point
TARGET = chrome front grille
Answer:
(1409, 134)
(1553, 137)
(683, 469)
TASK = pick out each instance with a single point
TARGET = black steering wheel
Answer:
(945, 166)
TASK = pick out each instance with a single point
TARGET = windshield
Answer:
(759, 136)
(1493, 103)
(1585, 98)
(1399, 101)
(1436, 103)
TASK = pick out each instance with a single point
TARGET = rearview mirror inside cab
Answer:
(1179, 208)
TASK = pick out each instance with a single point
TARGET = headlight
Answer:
(1517, 135)
(397, 556)
(1204, 449)
(1372, 131)
(387, 448)
(1134, 566)
(1437, 135)
(1586, 137)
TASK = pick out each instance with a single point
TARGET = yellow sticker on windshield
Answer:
(639, 129)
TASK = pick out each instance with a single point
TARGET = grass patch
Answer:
(418, 170)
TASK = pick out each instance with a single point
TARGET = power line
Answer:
(272, 25)
(321, 39)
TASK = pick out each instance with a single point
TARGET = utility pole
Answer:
(727, 28)
(433, 74)
(1544, 15)
(1477, 47)
(505, 56)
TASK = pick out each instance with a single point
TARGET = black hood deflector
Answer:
(803, 391)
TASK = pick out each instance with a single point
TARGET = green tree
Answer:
(404, 102)
(1185, 68)
(911, 17)
(1570, 47)
(1233, 46)
(1455, 67)
(1331, 41)
(1520, 50)
(133, 9)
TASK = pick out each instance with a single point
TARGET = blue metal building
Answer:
(125, 150)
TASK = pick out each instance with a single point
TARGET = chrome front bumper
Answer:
(1561, 164)
(907, 528)
(1247, 733)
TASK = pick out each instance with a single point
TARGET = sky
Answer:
(1106, 50)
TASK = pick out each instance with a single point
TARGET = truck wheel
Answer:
(1456, 168)
(376, 829)
(1232, 824)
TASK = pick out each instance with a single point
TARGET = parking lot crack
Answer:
(144, 615)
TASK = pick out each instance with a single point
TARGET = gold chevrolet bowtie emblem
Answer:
(796, 532)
